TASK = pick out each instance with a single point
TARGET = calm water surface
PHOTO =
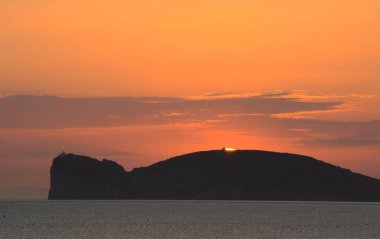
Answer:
(187, 219)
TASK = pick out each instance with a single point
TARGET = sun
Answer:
(229, 150)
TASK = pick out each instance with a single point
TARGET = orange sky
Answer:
(263, 57)
(167, 47)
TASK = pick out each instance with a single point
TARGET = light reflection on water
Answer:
(187, 219)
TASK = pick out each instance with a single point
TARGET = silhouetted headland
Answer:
(212, 175)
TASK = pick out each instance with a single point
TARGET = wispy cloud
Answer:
(311, 114)
(340, 142)
(319, 96)
(306, 129)
(56, 112)
(280, 114)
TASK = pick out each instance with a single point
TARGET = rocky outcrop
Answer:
(81, 177)
(217, 174)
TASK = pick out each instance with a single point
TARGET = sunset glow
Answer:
(229, 150)
(142, 81)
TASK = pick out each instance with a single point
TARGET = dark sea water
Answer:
(187, 219)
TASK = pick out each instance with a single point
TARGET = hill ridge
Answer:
(214, 174)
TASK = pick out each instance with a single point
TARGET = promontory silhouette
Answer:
(212, 175)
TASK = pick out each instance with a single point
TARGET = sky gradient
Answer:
(140, 81)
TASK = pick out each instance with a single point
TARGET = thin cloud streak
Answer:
(340, 142)
(56, 112)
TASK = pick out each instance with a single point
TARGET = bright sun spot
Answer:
(229, 149)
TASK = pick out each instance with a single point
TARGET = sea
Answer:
(187, 219)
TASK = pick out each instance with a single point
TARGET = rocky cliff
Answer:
(81, 177)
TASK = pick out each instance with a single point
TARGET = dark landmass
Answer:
(212, 175)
